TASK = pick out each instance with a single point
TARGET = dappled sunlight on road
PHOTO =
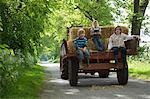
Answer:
(48, 64)
(121, 96)
(91, 86)
(145, 96)
(72, 91)
(59, 81)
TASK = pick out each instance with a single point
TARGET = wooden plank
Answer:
(98, 66)
(103, 55)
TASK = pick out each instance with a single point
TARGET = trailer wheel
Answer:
(104, 74)
(122, 75)
(73, 72)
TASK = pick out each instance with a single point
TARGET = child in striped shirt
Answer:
(81, 47)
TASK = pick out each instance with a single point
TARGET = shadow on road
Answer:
(92, 87)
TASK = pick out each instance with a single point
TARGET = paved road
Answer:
(92, 87)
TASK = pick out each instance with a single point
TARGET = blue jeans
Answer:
(83, 55)
(123, 53)
(98, 42)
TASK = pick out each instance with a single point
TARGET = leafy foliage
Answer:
(71, 13)
(96, 9)
(27, 86)
(22, 24)
(143, 54)
(8, 67)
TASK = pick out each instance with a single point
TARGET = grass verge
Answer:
(28, 86)
(140, 70)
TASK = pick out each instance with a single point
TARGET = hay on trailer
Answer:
(70, 46)
(87, 32)
(106, 41)
(91, 45)
(74, 32)
(107, 31)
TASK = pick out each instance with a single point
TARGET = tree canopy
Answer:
(35, 27)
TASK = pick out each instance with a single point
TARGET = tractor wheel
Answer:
(73, 72)
(122, 75)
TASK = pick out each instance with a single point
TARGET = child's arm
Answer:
(85, 46)
(110, 44)
(98, 32)
(75, 43)
(91, 32)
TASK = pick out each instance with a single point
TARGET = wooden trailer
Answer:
(101, 62)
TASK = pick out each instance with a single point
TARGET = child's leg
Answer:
(123, 54)
(95, 40)
(100, 44)
(86, 55)
(80, 56)
(116, 51)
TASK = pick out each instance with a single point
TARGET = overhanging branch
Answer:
(86, 13)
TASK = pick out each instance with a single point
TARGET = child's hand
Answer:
(80, 49)
(84, 49)
(136, 37)
(94, 33)
(100, 33)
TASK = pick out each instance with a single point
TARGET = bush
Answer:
(12, 66)
(143, 54)
(8, 67)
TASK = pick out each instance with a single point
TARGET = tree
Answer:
(96, 9)
(22, 23)
(138, 16)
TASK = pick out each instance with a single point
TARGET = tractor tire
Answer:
(122, 75)
(73, 72)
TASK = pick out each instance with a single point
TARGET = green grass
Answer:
(140, 70)
(28, 86)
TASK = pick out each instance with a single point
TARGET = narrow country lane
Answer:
(91, 87)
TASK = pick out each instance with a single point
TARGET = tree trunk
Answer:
(135, 22)
(139, 11)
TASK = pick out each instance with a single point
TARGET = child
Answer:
(96, 33)
(81, 47)
(116, 43)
